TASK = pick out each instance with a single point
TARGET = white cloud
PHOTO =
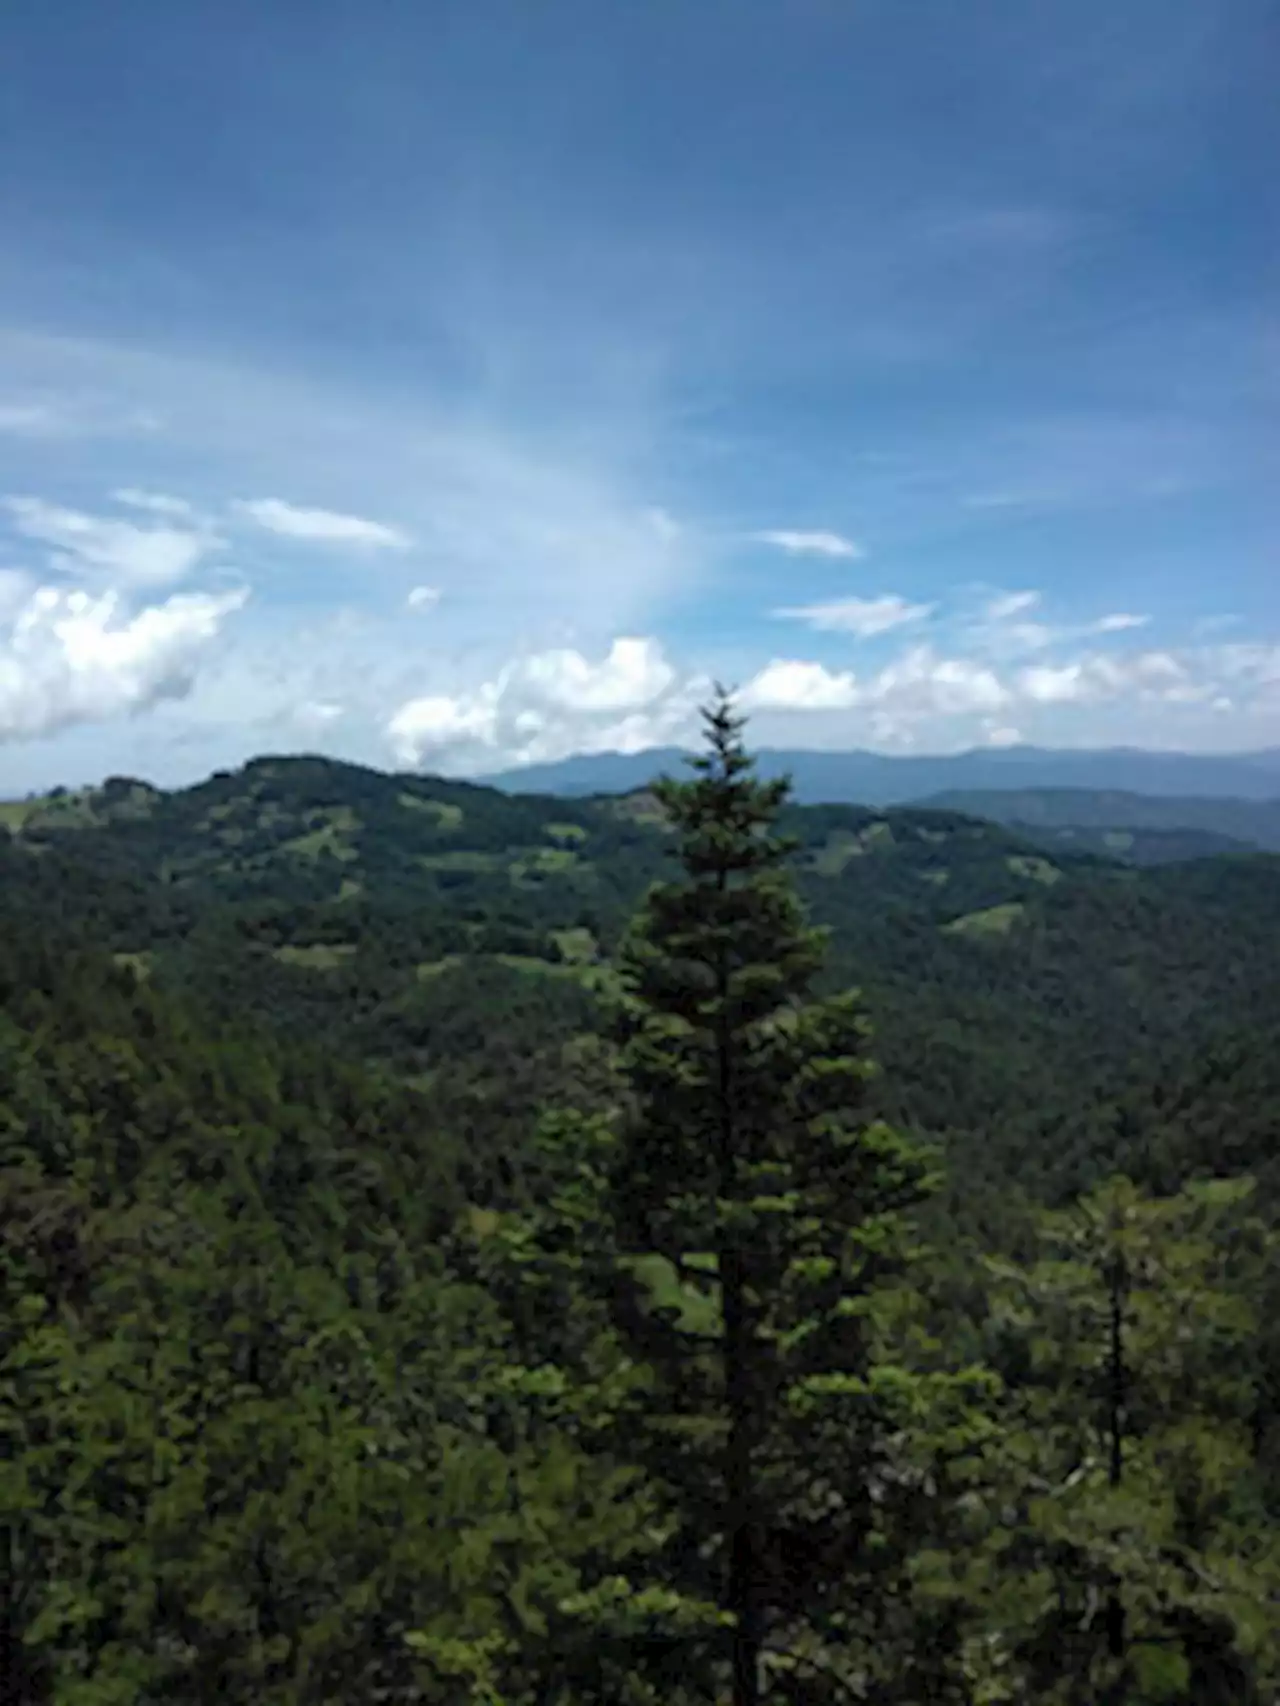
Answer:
(1002, 734)
(313, 715)
(1119, 622)
(16, 587)
(423, 597)
(633, 674)
(1011, 604)
(1000, 633)
(68, 414)
(1095, 677)
(322, 526)
(916, 686)
(28, 420)
(864, 617)
(798, 543)
(154, 503)
(71, 657)
(549, 705)
(793, 685)
(1253, 662)
(1007, 500)
(436, 725)
(922, 684)
(1056, 684)
(122, 552)
(664, 525)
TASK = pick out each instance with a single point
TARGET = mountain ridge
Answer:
(863, 777)
(420, 923)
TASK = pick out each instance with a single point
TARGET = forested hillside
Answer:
(397, 1305)
(1145, 828)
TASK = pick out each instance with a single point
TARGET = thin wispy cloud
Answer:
(321, 526)
(153, 503)
(108, 549)
(797, 542)
(1120, 622)
(1009, 604)
(863, 617)
(28, 419)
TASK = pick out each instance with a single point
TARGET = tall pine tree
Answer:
(1134, 1561)
(764, 1220)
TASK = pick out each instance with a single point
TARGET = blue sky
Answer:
(463, 384)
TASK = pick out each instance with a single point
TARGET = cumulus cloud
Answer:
(864, 617)
(321, 526)
(916, 686)
(1001, 734)
(1098, 676)
(633, 674)
(71, 657)
(922, 684)
(16, 587)
(423, 597)
(122, 553)
(1246, 663)
(793, 685)
(798, 543)
(549, 705)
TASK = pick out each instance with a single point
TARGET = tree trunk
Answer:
(1117, 1641)
(739, 1492)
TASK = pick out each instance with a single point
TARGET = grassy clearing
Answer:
(640, 808)
(462, 860)
(315, 956)
(14, 813)
(425, 970)
(577, 946)
(328, 839)
(568, 834)
(331, 835)
(70, 810)
(553, 859)
(939, 879)
(1119, 840)
(447, 817)
(484, 1222)
(1029, 865)
(138, 964)
(991, 921)
(841, 846)
(535, 967)
(541, 862)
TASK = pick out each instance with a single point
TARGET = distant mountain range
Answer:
(877, 779)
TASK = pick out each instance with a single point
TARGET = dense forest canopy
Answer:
(392, 1311)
